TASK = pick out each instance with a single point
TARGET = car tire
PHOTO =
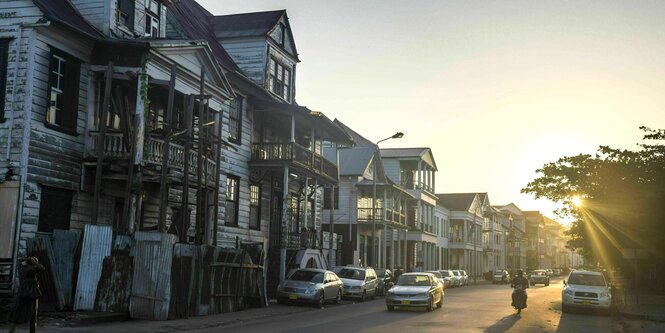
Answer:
(547, 284)
(321, 300)
(338, 298)
(430, 304)
(390, 307)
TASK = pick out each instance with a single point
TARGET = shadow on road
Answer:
(504, 324)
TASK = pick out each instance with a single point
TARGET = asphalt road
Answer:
(482, 308)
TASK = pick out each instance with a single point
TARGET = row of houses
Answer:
(153, 154)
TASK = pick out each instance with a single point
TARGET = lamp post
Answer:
(373, 253)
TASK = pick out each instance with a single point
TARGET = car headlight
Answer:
(605, 294)
(311, 290)
(568, 292)
(390, 293)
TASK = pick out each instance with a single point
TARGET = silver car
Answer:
(448, 278)
(359, 282)
(439, 277)
(415, 290)
(460, 281)
(310, 285)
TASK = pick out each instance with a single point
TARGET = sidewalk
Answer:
(178, 325)
(651, 307)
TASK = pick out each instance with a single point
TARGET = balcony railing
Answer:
(291, 152)
(412, 185)
(306, 239)
(114, 147)
(387, 215)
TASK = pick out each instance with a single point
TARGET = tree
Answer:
(623, 193)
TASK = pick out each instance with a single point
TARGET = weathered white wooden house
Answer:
(128, 118)
(352, 211)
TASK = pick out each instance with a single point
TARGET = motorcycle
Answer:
(519, 295)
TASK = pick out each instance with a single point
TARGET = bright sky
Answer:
(495, 88)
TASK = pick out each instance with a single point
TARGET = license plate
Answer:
(293, 296)
(406, 302)
(586, 302)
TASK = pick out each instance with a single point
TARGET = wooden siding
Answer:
(348, 203)
(250, 55)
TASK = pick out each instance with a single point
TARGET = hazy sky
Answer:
(495, 88)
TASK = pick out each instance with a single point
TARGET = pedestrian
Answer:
(26, 304)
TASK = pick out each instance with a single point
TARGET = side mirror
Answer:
(564, 283)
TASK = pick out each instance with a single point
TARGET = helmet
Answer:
(519, 272)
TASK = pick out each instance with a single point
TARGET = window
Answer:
(280, 80)
(235, 120)
(326, 198)
(232, 189)
(255, 207)
(124, 13)
(55, 208)
(152, 15)
(64, 92)
(4, 51)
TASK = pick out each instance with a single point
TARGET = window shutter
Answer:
(4, 49)
(71, 94)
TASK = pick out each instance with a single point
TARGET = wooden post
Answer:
(284, 224)
(184, 206)
(101, 137)
(126, 209)
(218, 156)
(164, 190)
(200, 192)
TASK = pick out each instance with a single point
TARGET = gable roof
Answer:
(195, 20)
(456, 201)
(359, 139)
(352, 161)
(63, 12)
(423, 153)
(245, 24)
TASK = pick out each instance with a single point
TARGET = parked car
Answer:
(386, 280)
(460, 278)
(586, 289)
(467, 280)
(557, 272)
(448, 278)
(415, 290)
(501, 276)
(539, 276)
(439, 278)
(550, 273)
(359, 282)
(311, 285)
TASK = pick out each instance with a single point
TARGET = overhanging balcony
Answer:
(116, 148)
(292, 154)
(392, 217)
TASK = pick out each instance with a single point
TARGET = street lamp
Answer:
(373, 253)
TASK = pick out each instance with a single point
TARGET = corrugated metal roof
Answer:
(352, 161)
(96, 246)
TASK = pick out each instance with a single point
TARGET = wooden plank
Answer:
(63, 254)
(96, 246)
(100, 142)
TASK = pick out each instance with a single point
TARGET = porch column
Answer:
(306, 210)
(316, 204)
(284, 226)
(405, 249)
(420, 171)
(384, 211)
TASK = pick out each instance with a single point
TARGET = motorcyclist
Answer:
(519, 281)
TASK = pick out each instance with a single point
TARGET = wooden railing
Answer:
(365, 214)
(392, 216)
(291, 152)
(114, 147)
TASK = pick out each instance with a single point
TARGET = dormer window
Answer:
(279, 82)
(124, 13)
(152, 11)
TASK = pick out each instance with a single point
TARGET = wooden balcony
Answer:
(115, 148)
(291, 153)
(391, 216)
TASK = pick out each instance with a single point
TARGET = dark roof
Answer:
(62, 12)
(352, 161)
(359, 139)
(456, 201)
(246, 24)
(194, 19)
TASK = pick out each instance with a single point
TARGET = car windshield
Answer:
(445, 274)
(498, 273)
(587, 279)
(437, 274)
(413, 280)
(309, 276)
(354, 274)
(456, 273)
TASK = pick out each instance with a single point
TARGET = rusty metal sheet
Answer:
(151, 282)
(66, 242)
(96, 246)
(115, 284)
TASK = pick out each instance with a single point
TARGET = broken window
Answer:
(235, 120)
(124, 13)
(280, 79)
(55, 208)
(152, 17)
(232, 200)
(63, 92)
(255, 206)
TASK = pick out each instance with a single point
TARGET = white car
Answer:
(586, 289)
(461, 280)
(448, 278)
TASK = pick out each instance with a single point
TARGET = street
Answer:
(483, 308)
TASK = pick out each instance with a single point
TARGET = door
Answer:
(276, 219)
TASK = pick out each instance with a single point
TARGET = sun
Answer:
(577, 201)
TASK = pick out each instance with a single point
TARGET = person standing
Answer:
(26, 304)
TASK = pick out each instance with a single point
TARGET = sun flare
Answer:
(577, 201)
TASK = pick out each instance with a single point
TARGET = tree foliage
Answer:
(623, 194)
